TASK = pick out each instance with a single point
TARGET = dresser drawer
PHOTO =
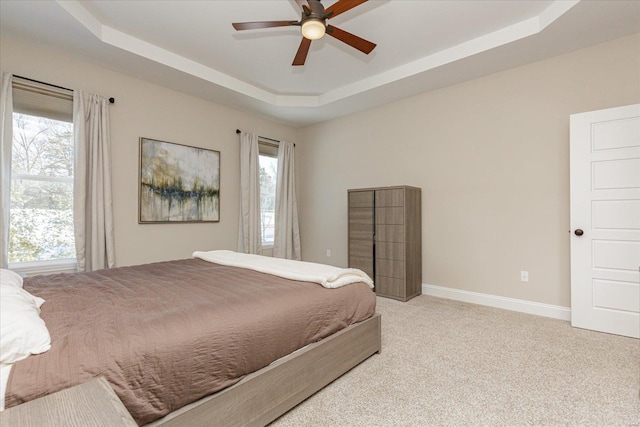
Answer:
(361, 248)
(390, 250)
(361, 216)
(391, 197)
(390, 287)
(390, 215)
(390, 233)
(361, 199)
(364, 264)
(361, 231)
(390, 268)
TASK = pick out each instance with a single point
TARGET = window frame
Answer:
(267, 149)
(59, 106)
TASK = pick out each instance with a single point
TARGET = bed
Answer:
(190, 341)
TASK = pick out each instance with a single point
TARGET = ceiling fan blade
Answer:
(341, 6)
(261, 24)
(301, 55)
(352, 40)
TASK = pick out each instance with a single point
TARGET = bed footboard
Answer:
(265, 395)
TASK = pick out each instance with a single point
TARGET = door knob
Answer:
(578, 232)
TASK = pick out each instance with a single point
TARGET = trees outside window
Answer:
(268, 177)
(41, 211)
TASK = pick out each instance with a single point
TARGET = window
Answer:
(268, 163)
(41, 210)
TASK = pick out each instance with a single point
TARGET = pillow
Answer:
(8, 277)
(22, 331)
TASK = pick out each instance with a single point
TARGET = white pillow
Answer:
(22, 331)
(8, 277)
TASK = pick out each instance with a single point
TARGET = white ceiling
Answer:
(422, 45)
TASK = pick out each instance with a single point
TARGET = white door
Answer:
(605, 220)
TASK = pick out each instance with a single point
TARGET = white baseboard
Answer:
(523, 306)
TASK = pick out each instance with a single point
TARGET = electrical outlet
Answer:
(524, 276)
(328, 253)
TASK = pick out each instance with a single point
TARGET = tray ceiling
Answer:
(422, 45)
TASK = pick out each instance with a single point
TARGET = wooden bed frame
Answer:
(263, 396)
(256, 400)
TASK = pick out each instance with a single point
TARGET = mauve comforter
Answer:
(167, 334)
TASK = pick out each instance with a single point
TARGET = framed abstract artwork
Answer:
(178, 183)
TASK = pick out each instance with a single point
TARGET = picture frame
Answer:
(177, 183)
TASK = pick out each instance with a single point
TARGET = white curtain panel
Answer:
(249, 235)
(287, 232)
(92, 202)
(6, 136)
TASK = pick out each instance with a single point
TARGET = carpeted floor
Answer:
(447, 363)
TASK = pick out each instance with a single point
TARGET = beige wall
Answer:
(144, 109)
(492, 158)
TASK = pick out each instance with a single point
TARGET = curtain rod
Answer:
(111, 100)
(264, 137)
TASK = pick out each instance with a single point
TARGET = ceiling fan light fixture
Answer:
(313, 29)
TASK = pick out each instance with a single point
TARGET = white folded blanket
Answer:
(325, 275)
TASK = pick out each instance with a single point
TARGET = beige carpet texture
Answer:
(448, 363)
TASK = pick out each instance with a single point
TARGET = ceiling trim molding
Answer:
(512, 33)
(116, 38)
(478, 45)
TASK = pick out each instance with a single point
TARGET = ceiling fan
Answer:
(314, 25)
